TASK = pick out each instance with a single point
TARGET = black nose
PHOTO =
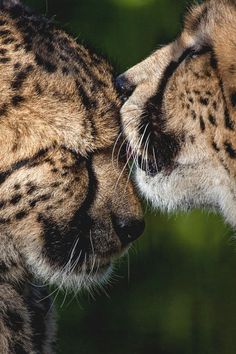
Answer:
(128, 230)
(124, 87)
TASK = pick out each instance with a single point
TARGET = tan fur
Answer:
(181, 115)
(67, 207)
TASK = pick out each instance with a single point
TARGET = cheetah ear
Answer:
(7, 4)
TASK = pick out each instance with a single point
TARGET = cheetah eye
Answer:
(194, 53)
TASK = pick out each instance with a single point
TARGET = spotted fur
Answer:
(66, 209)
(180, 117)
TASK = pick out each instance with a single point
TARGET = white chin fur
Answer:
(67, 280)
(187, 187)
(182, 189)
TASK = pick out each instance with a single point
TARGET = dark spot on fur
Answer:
(16, 100)
(192, 139)
(85, 98)
(190, 99)
(2, 204)
(17, 66)
(17, 186)
(232, 69)
(55, 184)
(63, 174)
(202, 124)
(5, 60)
(38, 89)
(229, 123)
(45, 197)
(31, 188)
(41, 198)
(2, 22)
(230, 150)
(54, 170)
(3, 51)
(50, 161)
(204, 101)
(197, 92)
(3, 109)
(213, 61)
(8, 40)
(193, 114)
(212, 120)
(3, 267)
(233, 99)
(215, 147)
(21, 215)
(17, 47)
(47, 65)
(4, 221)
(15, 199)
(21, 77)
(215, 105)
(65, 70)
(4, 33)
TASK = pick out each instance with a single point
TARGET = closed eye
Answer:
(194, 53)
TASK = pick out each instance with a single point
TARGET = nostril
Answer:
(128, 230)
(124, 87)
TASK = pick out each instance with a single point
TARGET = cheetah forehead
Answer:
(53, 89)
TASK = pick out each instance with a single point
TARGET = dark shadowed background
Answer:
(178, 293)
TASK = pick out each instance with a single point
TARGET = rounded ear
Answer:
(6, 4)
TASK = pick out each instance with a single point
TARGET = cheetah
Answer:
(67, 210)
(179, 115)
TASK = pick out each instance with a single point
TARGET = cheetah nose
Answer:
(124, 87)
(128, 230)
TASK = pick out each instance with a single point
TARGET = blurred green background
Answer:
(177, 293)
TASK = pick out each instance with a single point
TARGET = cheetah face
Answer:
(178, 114)
(71, 216)
(67, 207)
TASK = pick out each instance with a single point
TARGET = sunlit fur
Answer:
(183, 106)
(62, 183)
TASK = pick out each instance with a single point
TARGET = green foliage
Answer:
(180, 295)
